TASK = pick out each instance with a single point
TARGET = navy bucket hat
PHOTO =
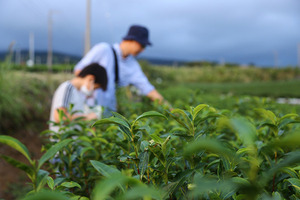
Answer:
(139, 34)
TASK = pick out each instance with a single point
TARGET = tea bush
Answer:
(219, 74)
(201, 152)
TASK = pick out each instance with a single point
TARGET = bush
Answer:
(199, 152)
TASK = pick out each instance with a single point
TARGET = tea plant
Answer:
(195, 153)
(33, 169)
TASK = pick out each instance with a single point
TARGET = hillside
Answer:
(65, 58)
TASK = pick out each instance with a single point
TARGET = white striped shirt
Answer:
(65, 95)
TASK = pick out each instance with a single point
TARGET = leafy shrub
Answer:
(195, 153)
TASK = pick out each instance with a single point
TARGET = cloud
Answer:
(238, 31)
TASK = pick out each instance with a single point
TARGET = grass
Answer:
(229, 95)
(219, 74)
(274, 89)
(26, 96)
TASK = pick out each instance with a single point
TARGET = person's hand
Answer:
(91, 116)
(154, 95)
(167, 105)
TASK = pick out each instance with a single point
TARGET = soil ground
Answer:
(13, 181)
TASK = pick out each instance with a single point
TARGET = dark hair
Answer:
(98, 71)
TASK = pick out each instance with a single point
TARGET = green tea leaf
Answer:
(144, 145)
(186, 126)
(226, 163)
(16, 144)
(291, 159)
(210, 145)
(41, 180)
(285, 122)
(144, 160)
(121, 117)
(157, 139)
(276, 196)
(104, 169)
(183, 114)
(105, 187)
(46, 195)
(245, 130)
(148, 114)
(70, 184)
(61, 115)
(295, 183)
(272, 126)
(297, 168)
(290, 140)
(291, 115)
(209, 116)
(58, 181)
(170, 161)
(85, 138)
(50, 183)
(22, 166)
(126, 131)
(241, 182)
(164, 145)
(86, 149)
(198, 109)
(180, 179)
(52, 151)
(204, 185)
(267, 114)
(101, 140)
(170, 188)
(244, 150)
(290, 171)
(81, 198)
(112, 120)
(142, 192)
(158, 154)
(216, 161)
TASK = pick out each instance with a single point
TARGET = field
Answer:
(225, 137)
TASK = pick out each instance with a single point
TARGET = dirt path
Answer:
(13, 180)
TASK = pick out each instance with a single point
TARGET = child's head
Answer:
(95, 73)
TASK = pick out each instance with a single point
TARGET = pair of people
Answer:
(116, 65)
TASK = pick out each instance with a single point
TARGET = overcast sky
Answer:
(242, 31)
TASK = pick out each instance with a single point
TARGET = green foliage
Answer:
(217, 74)
(33, 170)
(25, 99)
(198, 150)
(61, 68)
(25, 102)
(197, 153)
(46, 195)
(16, 144)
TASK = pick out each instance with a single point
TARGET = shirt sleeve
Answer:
(62, 96)
(139, 80)
(93, 56)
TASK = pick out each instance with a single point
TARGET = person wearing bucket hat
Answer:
(121, 66)
(139, 34)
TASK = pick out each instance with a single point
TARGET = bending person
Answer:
(121, 66)
(76, 91)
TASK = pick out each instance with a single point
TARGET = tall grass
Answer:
(25, 98)
(9, 106)
(219, 74)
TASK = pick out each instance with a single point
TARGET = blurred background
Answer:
(235, 55)
(259, 32)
